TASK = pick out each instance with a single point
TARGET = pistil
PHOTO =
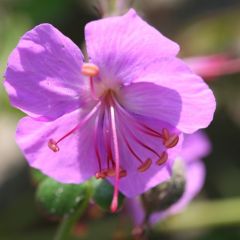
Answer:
(114, 204)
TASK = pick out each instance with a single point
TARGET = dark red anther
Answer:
(100, 175)
(145, 166)
(172, 141)
(163, 158)
(52, 144)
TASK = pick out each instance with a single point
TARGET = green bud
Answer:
(103, 194)
(58, 198)
(167, 193)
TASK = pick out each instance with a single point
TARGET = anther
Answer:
(90, 69)
(100, 175)
(145, 166)
(111, 172)
(52, 144)
(171, 141)
(165, 133)
(163, 158)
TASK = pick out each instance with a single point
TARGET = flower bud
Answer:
(60, 199)
(103, 193)
(167, 193)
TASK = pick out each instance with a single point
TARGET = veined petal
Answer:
(190, 104)
(137, 182)
(43, 76)
(76, 160)
(153, 101)
(124, 46)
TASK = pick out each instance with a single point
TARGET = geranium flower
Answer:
(195, 147)
(119, 115)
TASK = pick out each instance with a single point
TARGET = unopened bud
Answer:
(167, 193)
(59, 199)
(103, 194)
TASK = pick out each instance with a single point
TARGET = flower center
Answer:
(116, 128)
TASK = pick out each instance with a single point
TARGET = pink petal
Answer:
(123, 46)
(195, 146)
(43, 74)
(137, 182)
(182, 98)
(74, 163)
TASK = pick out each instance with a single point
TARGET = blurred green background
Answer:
(201, 28)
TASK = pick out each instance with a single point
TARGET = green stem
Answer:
(204, 215)
(68, 221)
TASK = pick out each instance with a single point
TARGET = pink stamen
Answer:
(131, 150)
(114, 204)
(53, 144)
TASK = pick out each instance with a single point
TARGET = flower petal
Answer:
(74, 163)
(43, 74)
(195, 146)
(123, 46)
(137, 182)
(183, 100)
(152, 100)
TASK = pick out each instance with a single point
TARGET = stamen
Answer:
(114, 204)
(110, 172)
(90, 69)
(100, 175)
(132, 151)
(165, 133)
(171, 141)
(163, 158)
(52, 144)
(145, 166)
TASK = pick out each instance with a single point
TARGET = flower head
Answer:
(119, 116)
(195, 147)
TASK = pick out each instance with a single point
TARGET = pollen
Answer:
(52, 144)
(90, 69)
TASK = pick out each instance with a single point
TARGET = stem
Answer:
(68, 221)
(201, 215)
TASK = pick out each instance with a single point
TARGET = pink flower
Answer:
(120, 116)
(213, 66)
(195, 147)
